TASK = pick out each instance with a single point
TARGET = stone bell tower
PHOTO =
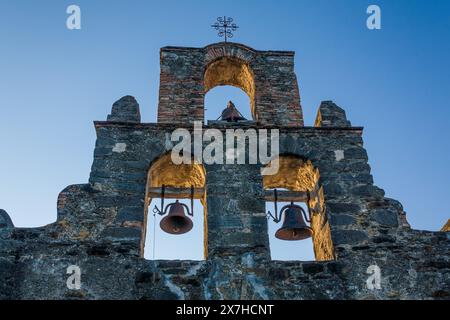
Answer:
(101, 225)
(187, 74)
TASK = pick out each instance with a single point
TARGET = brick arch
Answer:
(234, 72)
(268, 77)
(231, 50)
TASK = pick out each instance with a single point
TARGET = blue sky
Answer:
(54, 82)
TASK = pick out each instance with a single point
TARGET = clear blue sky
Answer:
(54, 82)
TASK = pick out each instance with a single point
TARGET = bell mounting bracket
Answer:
(163, 211)
(277, 217)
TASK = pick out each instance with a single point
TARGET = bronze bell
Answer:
(176, 222)
(294, 226)
(231, 113)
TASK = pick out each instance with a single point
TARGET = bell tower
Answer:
(187, 74)
(101, 225)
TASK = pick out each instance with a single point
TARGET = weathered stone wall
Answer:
(94, 231)
(266, 76)
(101, 225)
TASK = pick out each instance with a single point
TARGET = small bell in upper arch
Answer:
(231, 113)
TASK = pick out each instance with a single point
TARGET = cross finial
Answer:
(225, 26)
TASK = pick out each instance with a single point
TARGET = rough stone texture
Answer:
(125, 110)
(330, 115)
(5, 220)
(101, 225)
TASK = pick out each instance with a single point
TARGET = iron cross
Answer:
(225, 26)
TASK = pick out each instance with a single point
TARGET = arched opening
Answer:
(227, 73)
(217, 99)
(297, 181)
(178, 181)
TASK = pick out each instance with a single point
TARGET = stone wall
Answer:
(93, 231)
(101, 225)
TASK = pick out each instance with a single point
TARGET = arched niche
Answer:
(178, 178)
(294, 173)
(164, 171)
(267, 77)
(234, 72)
(298, 174)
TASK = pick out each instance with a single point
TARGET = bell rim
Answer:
(189, 228)
(278, 232)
